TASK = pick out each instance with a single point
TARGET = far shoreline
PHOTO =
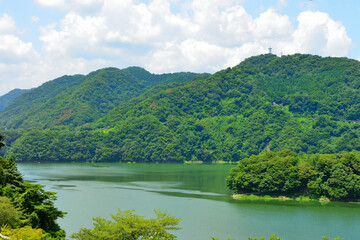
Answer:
(300, 198)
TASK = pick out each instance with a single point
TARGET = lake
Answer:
(196, 193)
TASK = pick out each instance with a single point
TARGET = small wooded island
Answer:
(285, 173)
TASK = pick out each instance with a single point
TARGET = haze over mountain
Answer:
(306, 103)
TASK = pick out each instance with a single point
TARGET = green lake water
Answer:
(196, 193)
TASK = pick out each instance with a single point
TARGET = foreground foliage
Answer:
(336, 176)
(26, 204)
(127, 225)
(25, 233)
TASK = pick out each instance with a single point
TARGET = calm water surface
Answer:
(196, 193)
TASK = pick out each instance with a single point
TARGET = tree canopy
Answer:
(127, 225)
(336, 176)
(25, 204)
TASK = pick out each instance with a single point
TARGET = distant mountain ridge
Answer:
(305, 103)
(7, 98)
(76, 100)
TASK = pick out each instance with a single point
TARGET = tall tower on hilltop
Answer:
(270, 50)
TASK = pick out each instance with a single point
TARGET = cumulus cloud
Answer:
(319, 34)
(271, 25)
(75, 35)
(84, 6)
(12, 49)
(193, 55)
(204, 36)
(7, 24)
(201, 35)
(14, 53)
(50, 3)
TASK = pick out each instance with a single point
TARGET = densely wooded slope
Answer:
(76, 100)
(305, 103)
(7, 98)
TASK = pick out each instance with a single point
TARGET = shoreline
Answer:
(280, 198)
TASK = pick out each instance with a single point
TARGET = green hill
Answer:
(305, 103)
(7, 98)
(76, 100)
(26, 105)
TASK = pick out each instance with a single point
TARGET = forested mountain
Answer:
(27, 104)
(7, 98)
(300, 102)
(76, 100)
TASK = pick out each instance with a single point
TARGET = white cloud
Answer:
(206, 29)
(50, 3)
(40, 70)
(84, 6)
(7, 24)
(76, 36)
(12, 48)
(192, 55)
(319, 34)
(270, 25)
(202, 35)
(185, 55)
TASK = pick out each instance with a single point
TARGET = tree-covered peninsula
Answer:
(285, 173)
(305, 103)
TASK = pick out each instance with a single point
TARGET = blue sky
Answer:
(44, 39)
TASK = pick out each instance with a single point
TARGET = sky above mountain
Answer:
(44, 39)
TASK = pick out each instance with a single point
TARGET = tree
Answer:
(25, 233)
(127, 225)
(26, 204)
(9, 215)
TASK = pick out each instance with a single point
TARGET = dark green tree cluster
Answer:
(26, 204)
(336, 176)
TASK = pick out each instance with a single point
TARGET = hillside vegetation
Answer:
(7, 98)
(305, 103)
(76, 100)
